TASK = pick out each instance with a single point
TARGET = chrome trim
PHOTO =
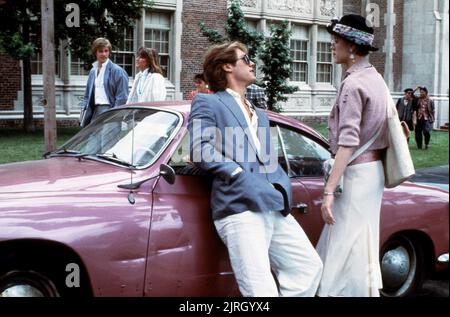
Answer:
(21, 290)
(443, 258)
(396, 267)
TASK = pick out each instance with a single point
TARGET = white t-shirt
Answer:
(253, 122)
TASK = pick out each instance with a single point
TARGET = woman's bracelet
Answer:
(328, 193)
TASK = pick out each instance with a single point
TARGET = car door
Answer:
(302, 157)
(186, 256)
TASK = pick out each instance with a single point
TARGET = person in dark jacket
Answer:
(405, 107)
(423, 117)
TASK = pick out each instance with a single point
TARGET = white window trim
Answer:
(324, 63)
(169, 29)
(308, 51)
(132, 52)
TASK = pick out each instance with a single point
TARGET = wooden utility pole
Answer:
(48, 71)
(28, 121)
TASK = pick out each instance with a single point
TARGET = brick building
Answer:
(193, 44)
(412, 37)
(10, 84)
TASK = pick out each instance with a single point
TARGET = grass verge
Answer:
(16, 145)
(436, 155)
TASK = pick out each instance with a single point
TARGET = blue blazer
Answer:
(262, 185)
(116, 88)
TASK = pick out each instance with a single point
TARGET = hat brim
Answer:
(368, 47)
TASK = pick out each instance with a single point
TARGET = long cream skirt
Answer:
(349, 249)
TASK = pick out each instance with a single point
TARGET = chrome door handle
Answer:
(302, 207)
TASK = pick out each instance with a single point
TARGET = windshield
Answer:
(110, 137)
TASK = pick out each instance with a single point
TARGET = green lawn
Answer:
(19, 146)
(321, 128)
(436, 155)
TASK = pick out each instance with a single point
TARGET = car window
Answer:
(305, 156)
(180, 160)
(130, 135)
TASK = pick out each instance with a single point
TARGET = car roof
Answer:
(183, 106)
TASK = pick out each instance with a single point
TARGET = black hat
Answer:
(424, 89)
(353, 28)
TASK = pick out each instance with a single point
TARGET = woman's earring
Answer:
(352, 56)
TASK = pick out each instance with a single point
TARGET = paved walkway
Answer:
(437, 174)
(432, 175)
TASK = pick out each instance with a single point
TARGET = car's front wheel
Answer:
(26, 284)
(402, 267)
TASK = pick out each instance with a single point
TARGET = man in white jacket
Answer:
(149, 84)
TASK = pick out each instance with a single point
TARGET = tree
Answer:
(274, 52)
(236, 30)
(276, 58)
(98, 18)
(15, 40)
(21, 25)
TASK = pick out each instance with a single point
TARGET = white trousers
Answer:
(260, 241)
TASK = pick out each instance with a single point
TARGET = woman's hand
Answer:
(326, 208)
(341, 160)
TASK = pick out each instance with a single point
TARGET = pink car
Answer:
(120, 211)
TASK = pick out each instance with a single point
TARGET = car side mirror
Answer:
(165, 171)
(168, 173)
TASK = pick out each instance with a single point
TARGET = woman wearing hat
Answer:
(349, 241)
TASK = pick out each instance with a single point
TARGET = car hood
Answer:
(60, 174)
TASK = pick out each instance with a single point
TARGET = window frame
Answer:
(300, 62)
(116, 51)
(302, 133)
(328, 63)
(36, 60)
(77, 62)
(168, 29)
